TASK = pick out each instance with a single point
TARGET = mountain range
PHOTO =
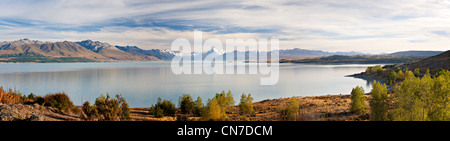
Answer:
(88, 50)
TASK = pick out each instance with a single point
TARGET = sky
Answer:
(369, 26)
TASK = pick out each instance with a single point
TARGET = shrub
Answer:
(106, 108)
(187, 105)
(401, 75)
(9, 96)
(392, 78)
(31, 96)
(125, 107)
(89, 111)
(372, 69)
(58, 100)
(246, 105)
(357, 104)
(163, 108)
(290, 113)
(30, 99)
(417, 72)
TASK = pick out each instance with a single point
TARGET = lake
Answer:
(141, 83)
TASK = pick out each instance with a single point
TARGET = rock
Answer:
(21, 112)
(35, 118)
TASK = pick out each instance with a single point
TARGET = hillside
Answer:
(304, 53)
(354, 59)
(415, 53)
(434, 63)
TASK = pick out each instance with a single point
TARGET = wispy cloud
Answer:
(349, 25)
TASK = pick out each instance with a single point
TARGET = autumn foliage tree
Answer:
(379, 103)
(246, 105)
(423, 99)
(290, 113)
(218, 106)
(358, 103)
(214, 111)
(9, 96)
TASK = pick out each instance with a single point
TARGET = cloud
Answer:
(350, 25)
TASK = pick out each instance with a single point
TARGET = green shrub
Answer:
(187, 105)
(357, 104)
(31, 96)
(158, 112)
(107, 109)
(58, 100)
(30, 99)
(163, 108)
(392, 78)
(375, 69)
(90, 111)
(417, 72)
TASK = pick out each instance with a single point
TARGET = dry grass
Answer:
(313, 108)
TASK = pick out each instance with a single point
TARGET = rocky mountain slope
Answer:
(96, 51)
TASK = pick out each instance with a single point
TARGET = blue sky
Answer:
(374, 26)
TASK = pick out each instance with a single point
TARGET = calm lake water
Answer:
(141, 83)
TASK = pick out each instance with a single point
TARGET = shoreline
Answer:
(369, 78)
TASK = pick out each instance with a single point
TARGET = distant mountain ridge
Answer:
(158, 53)
(304, 53)
(87, 49)
(101, 51)
(26, 47)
